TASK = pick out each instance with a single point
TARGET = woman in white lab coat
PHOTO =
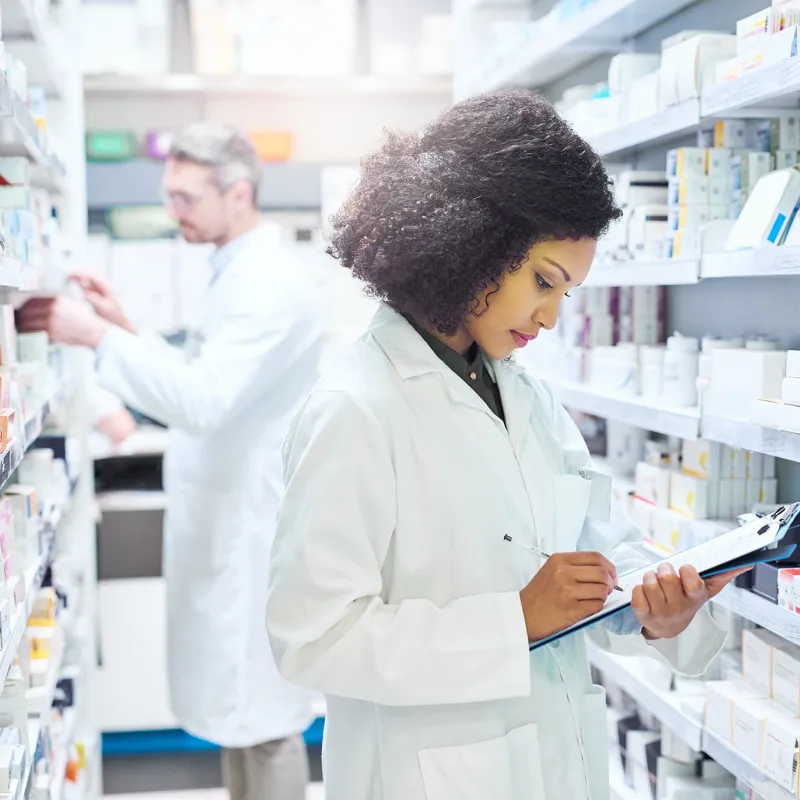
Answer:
(393, 589)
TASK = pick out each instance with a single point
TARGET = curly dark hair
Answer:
(437, 218)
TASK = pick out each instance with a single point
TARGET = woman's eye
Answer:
(543, 284)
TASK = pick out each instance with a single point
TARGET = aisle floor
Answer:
(315, 792)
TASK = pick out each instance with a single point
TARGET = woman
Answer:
(393, 590)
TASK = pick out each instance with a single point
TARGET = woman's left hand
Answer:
(666, 602)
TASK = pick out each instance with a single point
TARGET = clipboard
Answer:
(754, 543)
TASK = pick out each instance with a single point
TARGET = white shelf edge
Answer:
(194, 84)
(660, 704)
(667, 272)
(771, 85)
(768, 615)
(746, 435)
(681, 422)
(667, 124)
(601, 28)
(760, 262)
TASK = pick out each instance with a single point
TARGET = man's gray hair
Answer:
(223, 148)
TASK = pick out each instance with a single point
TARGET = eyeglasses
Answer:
(180, 201)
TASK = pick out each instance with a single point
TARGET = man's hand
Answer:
(666, 602)
(568, 587)
(65, 320)
(103, 299)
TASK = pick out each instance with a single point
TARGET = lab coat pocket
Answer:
(507, 768)
(593, 742)
(571, 495)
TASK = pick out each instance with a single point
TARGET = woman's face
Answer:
(528, 299)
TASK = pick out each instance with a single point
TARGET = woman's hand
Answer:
(568, 588)
(666, 602)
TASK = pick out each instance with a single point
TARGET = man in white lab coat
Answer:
(228, 405)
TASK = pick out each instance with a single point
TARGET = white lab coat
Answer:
(393, 592)
(228, 406)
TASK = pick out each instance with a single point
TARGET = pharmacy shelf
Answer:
(33, 40)
(740, 767)
(681, 422)
(58, 772)
(768, 615)
(619, 788)
(291, 185)
(751, 436)
(663, 705)
(667, 272)
(773, 87)
(209, 85)
(21, 136)
(665, 126)
(602, 28)
(756, 263)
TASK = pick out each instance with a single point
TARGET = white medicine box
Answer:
(786, 679)
(749, 724)
(720, 698)
(702, 458)
(758, 652)
(653, 484)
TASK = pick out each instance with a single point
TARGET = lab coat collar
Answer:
(413, 358)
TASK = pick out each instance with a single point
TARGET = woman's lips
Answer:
(521, 339)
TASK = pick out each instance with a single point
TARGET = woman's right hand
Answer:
(568, 588)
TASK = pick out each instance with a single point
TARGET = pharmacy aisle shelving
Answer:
(550, 52)
(681, 422)
(666, 707)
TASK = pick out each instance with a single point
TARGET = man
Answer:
(228, 405)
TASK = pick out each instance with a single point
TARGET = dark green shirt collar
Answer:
(471, 368)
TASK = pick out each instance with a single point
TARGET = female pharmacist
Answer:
(393, 590)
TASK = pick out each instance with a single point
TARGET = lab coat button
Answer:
(473, 376)
(556, 645)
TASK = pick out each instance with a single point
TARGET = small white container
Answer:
(681, 365)
(761, 344)
(652, 371)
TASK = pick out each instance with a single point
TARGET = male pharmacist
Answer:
(228, 406)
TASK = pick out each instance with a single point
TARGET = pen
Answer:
(541, 553)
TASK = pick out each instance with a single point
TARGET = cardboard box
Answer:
(778, 760)
(749, 726)
(652, 484)
(702, 458)
(720, 697)
(786, 679)
(689, 496)
(758, 651)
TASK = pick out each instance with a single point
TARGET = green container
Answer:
(111, 145)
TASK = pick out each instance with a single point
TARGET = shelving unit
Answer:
(681, 422)
(602, 28)
(669, 272)
(192, 84)
(663, 127)
(665, 706)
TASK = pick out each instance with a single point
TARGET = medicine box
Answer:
(667, 527)
(702, 458)
(652, 484)
(790, 391)
(768, 211)
(689, 189)
(730, 133)
(749, 725)
(758, 651)
(686, 161)
(720, 698)
(786, 677)
(689, 496)
(753, 30)
(788, 597)
(793, 364)
(779, 759)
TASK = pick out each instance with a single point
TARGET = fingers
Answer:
(654, 593)
(596, 575)
(693, 586)
(88, 281)
(591, 591)
(639, 603)
(671, 584)
(591, 559)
